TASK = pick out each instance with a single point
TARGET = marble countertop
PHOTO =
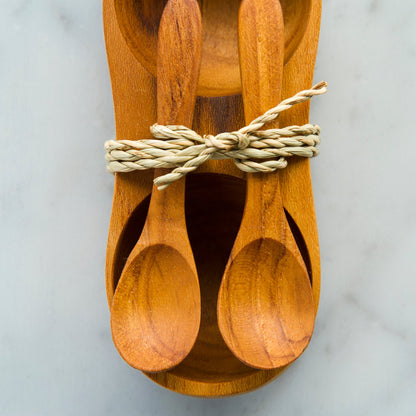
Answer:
(57, 355)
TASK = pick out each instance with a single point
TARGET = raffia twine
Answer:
(252, 149)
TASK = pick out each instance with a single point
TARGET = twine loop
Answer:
(252, 149)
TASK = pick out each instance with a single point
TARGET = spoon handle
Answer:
(178, 61)
(179, 52)
(261, 48)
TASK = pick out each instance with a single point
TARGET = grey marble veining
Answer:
(57, 356)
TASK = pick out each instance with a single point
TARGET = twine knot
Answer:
(225, 142)
(252, 149)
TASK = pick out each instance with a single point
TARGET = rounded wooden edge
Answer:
(214, 389)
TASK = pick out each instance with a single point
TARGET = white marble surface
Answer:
(56, 352)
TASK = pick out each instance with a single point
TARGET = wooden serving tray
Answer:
(214, 200)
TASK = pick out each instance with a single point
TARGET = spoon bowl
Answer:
(168, 313)
(277, 315)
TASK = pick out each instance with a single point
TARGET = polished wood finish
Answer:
(214, 202)
(155, 313)
(265, 304)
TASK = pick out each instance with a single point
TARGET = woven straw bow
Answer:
(252, 149)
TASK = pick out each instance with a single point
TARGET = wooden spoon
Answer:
(155, 312)
(265, 305)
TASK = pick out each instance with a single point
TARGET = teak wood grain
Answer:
(210, 369)
(155, 312)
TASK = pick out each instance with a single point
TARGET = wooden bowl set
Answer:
(213, 283)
